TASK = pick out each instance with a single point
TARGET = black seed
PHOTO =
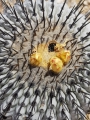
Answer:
(51, 47)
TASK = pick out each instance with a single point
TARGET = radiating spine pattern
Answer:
(33, 93)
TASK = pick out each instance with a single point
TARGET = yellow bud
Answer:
(65, 55)
(56, 64)
(35, 59)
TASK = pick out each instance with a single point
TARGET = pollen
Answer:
(51, 56)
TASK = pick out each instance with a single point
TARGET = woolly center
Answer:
(51, 56)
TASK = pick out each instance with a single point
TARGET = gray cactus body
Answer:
(31, 93)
